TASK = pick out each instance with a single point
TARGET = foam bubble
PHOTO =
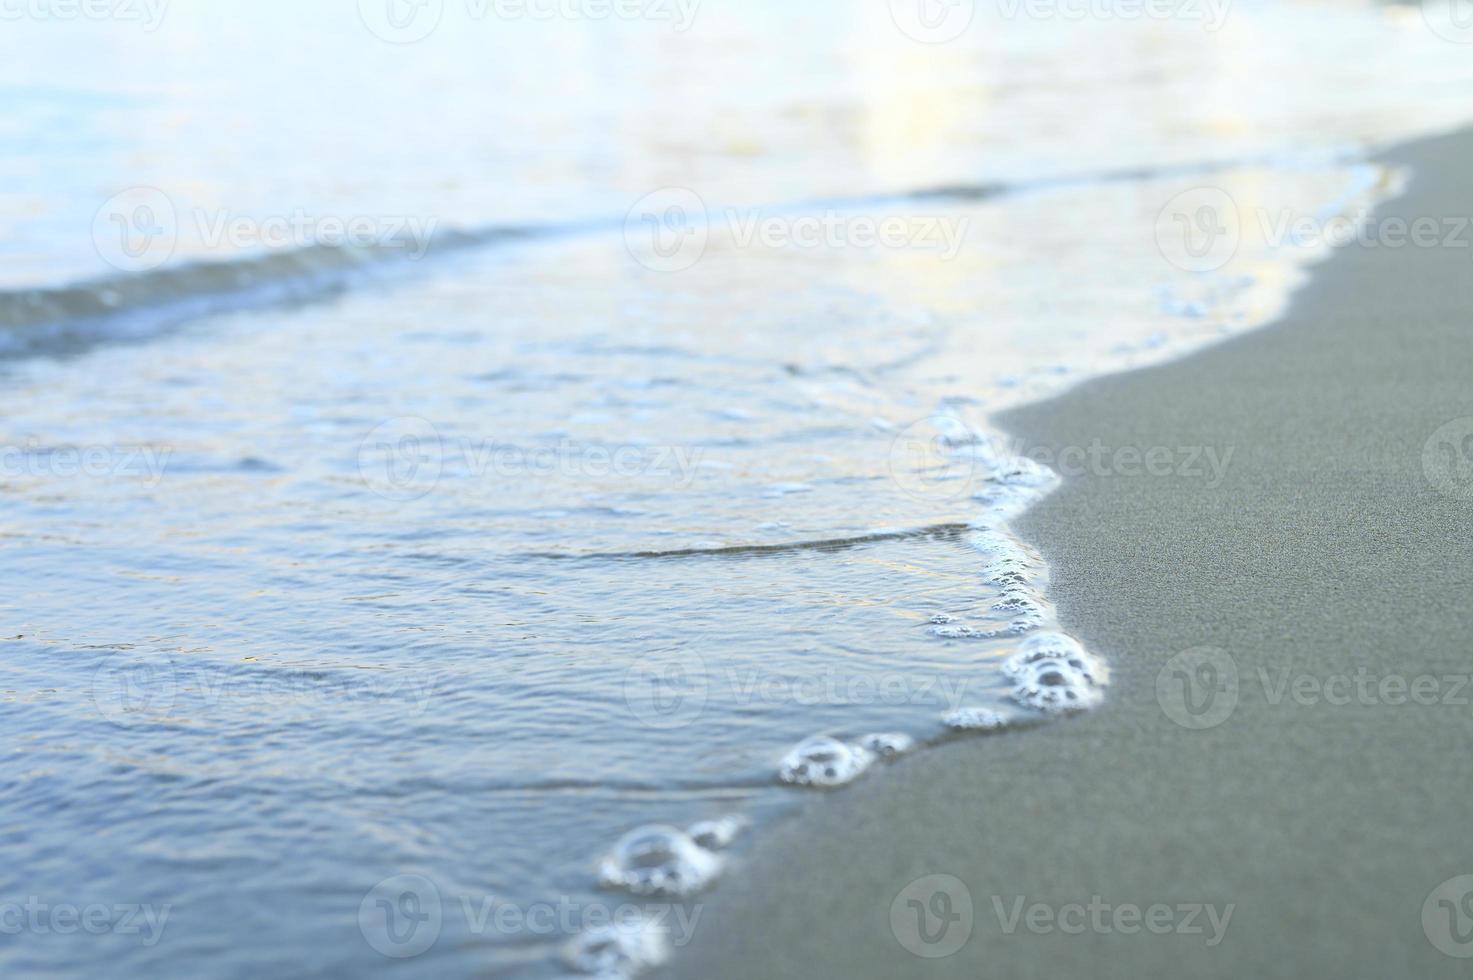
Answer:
(888, 745)
(1007, 573)
(1008, 562)
(1019, 601)
(954, 432)
(713, 835)
(1016, 628)
(976, 720)
(618, 950)
(659, 860)
(996, 545)
(1055, 674)
(1017, 574)
(1015, 484)
(1057, 647)
(954, 632)
(823, 761)
(1020, 471)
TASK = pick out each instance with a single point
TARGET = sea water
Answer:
(462, 479)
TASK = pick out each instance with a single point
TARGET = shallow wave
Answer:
(135, 306)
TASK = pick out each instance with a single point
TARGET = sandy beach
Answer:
(1319, 795)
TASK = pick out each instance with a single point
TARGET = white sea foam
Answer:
(824, 762)
(1054, 674)
(618, 950)
(714, 835)
(888, 746)
(1057, 649)
(660, 860)
(976, 720)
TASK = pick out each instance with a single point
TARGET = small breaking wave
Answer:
(69, 319)
(137, 306)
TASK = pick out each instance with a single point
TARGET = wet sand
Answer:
(1328, 557)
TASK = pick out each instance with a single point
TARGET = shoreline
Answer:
(1324, 556)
